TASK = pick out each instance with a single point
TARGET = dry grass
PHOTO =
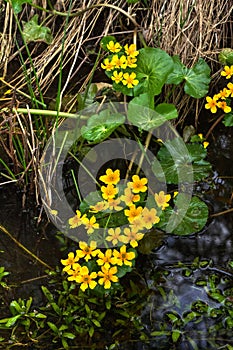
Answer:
(190, 29)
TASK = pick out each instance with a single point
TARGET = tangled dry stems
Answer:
(190, 29)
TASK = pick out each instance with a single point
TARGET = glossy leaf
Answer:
(228, 119)
(100, 126)
(153, 67)
(195, 218)
(179, 162)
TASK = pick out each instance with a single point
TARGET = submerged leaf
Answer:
(179, 162)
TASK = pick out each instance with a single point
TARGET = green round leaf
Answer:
(153, 67)
(195, 217)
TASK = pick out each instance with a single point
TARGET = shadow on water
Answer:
(177, 290)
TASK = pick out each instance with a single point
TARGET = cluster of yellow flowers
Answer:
(107, 263)
(139, 219)
(121, 62)
(219, 100)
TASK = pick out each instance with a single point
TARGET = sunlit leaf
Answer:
(100, 126)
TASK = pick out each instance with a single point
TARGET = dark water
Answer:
(215, 244)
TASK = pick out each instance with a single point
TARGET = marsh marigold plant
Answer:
(121, 212)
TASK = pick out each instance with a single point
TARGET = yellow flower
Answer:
(201, 136)
(131, 50)
(138, 185)
(149, 217)
(90, 224)
(70, 261)
(114, 235)
(107, 65)
(175, 193)
(137, 224)
(76, 220)
(107, 276)
(205, 144)
(117, 77)
(111, 177)
(123, 256)
(99, 206)
(114, 204)
(114, 47)
(106, 259)
(87, 251)
(227, 72)
(224, 106)
(53, 212)
(130, 80)
(162, 199)
(132, 236)
(131, 62)
(86, 279)
(74, 273)
(133, 212)
(223, 93)
(119, 62)
(109, 191)
(230, 87)
(211, 104)
(129, 197)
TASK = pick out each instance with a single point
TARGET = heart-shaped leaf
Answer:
(141, 113)
(153, 68)
(197, 79)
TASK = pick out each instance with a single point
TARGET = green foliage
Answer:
(225, 57)
(196, 79)
(69, 317)
(177, 162)
(32, 31)
(101, 126)
(141, 115)
(153, 68)
(228, 119)
(17, 5)
(3, 274)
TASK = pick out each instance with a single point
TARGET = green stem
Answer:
(79, 13)
(3, 229)
(48, 113)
